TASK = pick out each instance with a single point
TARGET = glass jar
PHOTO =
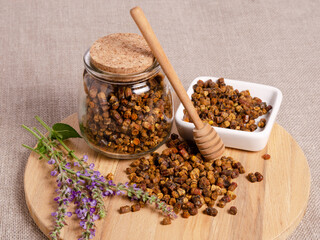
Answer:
(125, 116)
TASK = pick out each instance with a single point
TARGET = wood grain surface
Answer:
(271, 209)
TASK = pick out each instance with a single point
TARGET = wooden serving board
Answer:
(271, 209)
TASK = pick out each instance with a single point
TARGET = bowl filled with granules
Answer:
(242, 113)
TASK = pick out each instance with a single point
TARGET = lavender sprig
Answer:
(79, 183)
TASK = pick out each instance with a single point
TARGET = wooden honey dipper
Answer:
(206, 138)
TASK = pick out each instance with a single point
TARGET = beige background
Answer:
(273, 42)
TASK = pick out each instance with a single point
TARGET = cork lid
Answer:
(121, 53)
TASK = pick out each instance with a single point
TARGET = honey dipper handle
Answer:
(147, 32)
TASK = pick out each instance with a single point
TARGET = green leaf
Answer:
(63, 131)
(41, 148)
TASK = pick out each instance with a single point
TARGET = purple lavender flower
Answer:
(54, 214)
(119, 192)
(133, 198)
(93, 203)
(95, 217)
(102, 179)
(69, 214)
(72, 196)
(51, 161)
(86, 173)
(83, 224)
(67, 165)
(80, 181)
(85, 158)
(68, 190)
(135, 188)
(89, 187)
(53, 173)
(76, 164)
(81, 213)
(91, 166)
(93, 233)
(110, 182)
(108, 192)
(65, 201)
(173, 214)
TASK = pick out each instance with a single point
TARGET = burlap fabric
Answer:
(275, 42)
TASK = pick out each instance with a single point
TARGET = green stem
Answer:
(43, 123)
(81, 176)
(48, 147)
(36, 130)
(46, 144)
(60, 167)
(70, 152)
(32, 149)
(29, 130)
(59, 140)
(45, 141)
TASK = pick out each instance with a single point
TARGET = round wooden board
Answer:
(271, 209)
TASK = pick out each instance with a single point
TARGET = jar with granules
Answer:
(126, 107)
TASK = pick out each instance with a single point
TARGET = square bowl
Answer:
(250, 141)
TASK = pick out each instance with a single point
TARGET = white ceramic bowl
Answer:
(251, 141)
